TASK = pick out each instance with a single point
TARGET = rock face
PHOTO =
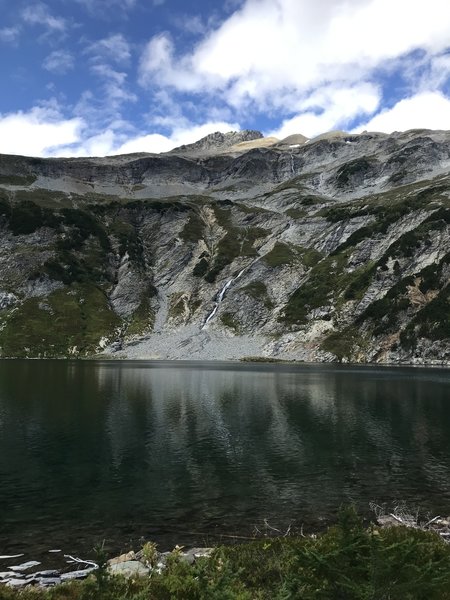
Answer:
(336, 248)
(217, 142)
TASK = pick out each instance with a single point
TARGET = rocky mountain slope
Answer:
(336, 248)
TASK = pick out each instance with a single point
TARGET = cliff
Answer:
(336, 248)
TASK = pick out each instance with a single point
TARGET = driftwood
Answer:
(400, 515)
(80, 561)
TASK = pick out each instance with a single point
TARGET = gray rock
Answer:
(48, 581)
(18, 583)
(80, 574)
(204, 213)
(25, 566)
(130, 568)
(7, 300)
(194, 553)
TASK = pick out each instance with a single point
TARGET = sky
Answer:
(102, 77)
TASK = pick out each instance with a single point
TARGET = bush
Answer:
(348, 562)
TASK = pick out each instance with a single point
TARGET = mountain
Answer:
(330, 249)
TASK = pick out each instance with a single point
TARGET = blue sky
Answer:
(97, 77)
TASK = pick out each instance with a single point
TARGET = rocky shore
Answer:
(20, 574)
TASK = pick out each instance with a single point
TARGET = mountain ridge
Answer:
(336, 248)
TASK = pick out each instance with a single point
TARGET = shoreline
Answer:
(149, 562)
(260, 361)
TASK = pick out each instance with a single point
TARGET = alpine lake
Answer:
(197, 453)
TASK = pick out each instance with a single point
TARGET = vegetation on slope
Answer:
(362, 294)
(348, 562)
(237, 241)
(332, 282)
(69, 321)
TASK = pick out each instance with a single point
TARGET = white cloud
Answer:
(115, 48)
(273, 55)
(427, 110)
(44, 131)
(9, 35)
(59, 62)
(271, 44)
(438, 72)
(37, 131)
(39, 14)
(337, 107)
(155, 142)
(100, 144)
(114, 87)
(104, 7)
(105, 56)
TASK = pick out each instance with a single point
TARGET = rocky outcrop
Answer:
(218, 142)
(329, 249)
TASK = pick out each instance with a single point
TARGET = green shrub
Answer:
(350, 561)
(201, 268)
(237, 241)
(193, 229)
(281, 254)
(229, 321)
(385, 313)
(319, 288)
(258, 291)
(78, 316)
(346, 173)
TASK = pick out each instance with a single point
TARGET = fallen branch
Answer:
(397, 518)
(81, 561)
(432, 521)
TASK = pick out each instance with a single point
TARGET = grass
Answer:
(296, 213)
(319, 289)
(360, 280)
(71, 321)
(350, 561)
(432, 321)
(281, 254)
(263, 359)
(176, 306)
(142, 320)
(258, 291)
(342, 343)
(229, 321)
(19, 180)
(385, 313)
(193, 229)
(351, 170)
(237, 241)
(128, 240)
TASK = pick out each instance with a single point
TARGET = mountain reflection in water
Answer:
(93, 450)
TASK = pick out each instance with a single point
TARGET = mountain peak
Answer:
(218, 141)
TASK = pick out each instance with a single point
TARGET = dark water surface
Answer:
(183, 452)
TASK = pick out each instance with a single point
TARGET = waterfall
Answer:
(220, 297)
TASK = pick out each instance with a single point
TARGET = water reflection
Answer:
(129, 449)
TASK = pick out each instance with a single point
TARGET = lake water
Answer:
(189, 452)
